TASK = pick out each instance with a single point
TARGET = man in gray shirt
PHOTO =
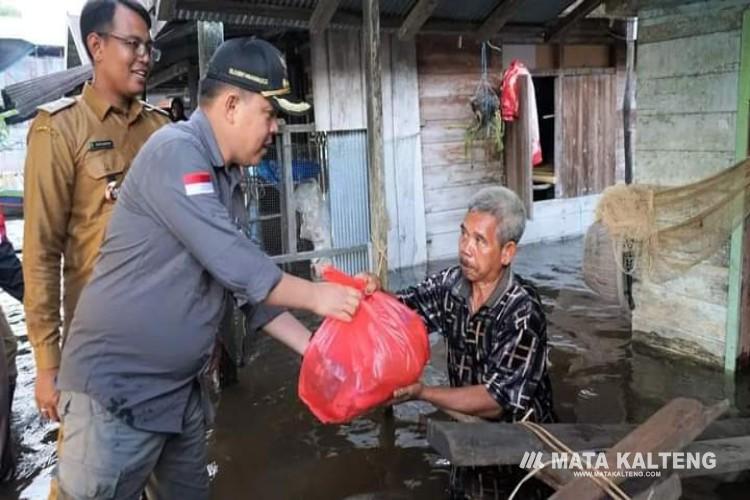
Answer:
(145, 324)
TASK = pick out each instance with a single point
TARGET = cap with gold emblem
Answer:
(255, 65)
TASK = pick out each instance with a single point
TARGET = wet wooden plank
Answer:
(675, 425)
(488, 443)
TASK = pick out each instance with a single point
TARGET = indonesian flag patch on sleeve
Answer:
(198, 183)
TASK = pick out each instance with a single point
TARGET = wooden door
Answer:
(586, 136)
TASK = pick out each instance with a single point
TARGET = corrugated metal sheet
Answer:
(387, 7)
(348, 190)
(532, 12)
(26, 96)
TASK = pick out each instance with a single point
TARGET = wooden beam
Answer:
(375, 143)
(322, 15)
(484, 443)
(418, 15)
(563, 25)
(193, 76)
(165, 10)
(732, 455)
(675, 425)
(167, 74)
(628, 104)
(177, 33)
(588, 31)
(499, 18)
(733, 338)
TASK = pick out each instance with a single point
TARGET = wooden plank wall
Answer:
(588, 135)
(688, 63)
(339, 104)
(449, 71)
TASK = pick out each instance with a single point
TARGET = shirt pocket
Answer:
(100, 168)
(104, 166)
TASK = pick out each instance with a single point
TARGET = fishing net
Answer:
(659, 233)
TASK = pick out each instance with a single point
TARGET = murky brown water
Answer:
(266, 444)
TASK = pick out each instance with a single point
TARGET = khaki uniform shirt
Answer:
(76, 147)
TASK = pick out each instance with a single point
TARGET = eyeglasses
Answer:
(137, 46)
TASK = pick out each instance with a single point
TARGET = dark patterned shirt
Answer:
(502, 346)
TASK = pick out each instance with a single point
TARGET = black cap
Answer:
(255, 65)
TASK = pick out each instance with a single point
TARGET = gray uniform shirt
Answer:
(145, 324)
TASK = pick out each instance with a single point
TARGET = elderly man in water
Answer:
(494, 327)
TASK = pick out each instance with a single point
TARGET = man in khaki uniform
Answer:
(79, 150)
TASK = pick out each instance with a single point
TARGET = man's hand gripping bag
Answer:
(350, 368)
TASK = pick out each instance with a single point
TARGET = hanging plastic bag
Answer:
(509, 105)
(352, 367)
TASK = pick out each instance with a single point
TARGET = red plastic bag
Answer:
(350, 368)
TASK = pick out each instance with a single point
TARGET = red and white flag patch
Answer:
(198, 183)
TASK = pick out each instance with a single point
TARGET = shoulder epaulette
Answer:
(151, 107)
(58, 105)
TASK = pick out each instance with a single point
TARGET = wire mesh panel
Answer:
(298, 212)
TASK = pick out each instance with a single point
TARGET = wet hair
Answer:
(97, 16)
(507, 209)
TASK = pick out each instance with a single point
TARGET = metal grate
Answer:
(337, 163)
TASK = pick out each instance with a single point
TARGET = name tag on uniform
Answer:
(198, 183)
(103, 144)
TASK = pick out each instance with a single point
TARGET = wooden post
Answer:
(210, 36)
(193, 77)
(629, 99)
(518, 150)
(375, 156)
(734, 333)
(289, 213)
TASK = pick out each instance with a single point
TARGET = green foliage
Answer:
(488, 132)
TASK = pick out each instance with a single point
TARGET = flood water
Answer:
(266, 445)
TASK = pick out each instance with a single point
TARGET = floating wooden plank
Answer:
(322, 15)
(566, 23)
(671, 428)
(418, 15)
(489, 443)
(499, 18)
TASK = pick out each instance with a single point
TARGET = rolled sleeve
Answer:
(201, 222)
(516, 366)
